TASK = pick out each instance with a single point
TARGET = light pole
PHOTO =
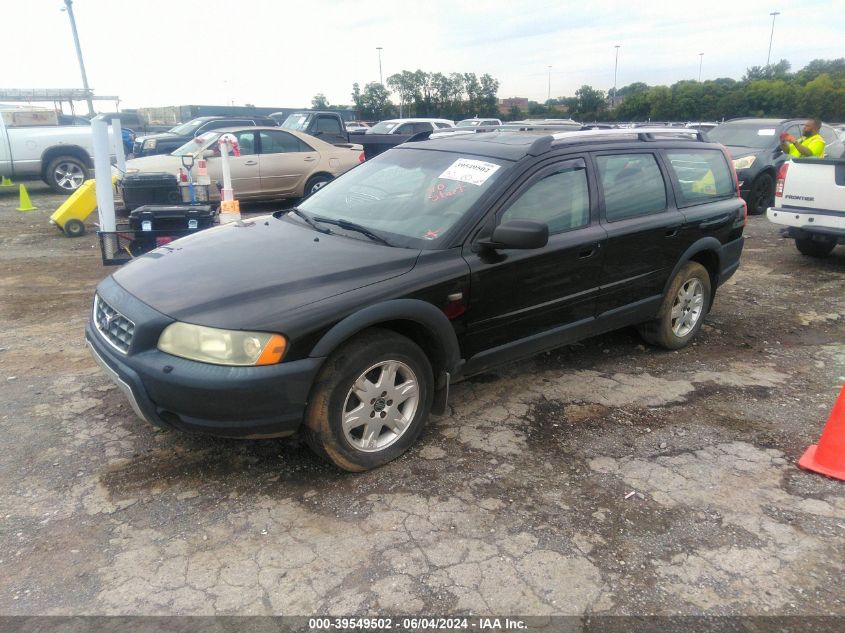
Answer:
(380, 79)
(774, 14)
(69, 8)
(700, 62)
(615, 68)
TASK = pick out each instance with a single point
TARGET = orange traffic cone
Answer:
(26, 203)
(828, 456)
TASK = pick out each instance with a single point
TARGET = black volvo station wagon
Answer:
(349, 316)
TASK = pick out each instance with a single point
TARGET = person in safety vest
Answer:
(810, 145)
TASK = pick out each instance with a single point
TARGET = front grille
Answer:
(114, 327)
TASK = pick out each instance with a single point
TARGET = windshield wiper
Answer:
(351, 226)
(302, 215)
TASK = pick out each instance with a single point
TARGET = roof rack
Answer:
(642, 134)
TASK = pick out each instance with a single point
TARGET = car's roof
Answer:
(416, 120)
(757, 121)
(514, 145)
(252, 128)
(217, 117)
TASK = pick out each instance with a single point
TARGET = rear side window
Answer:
(632, 185)
(700, 175)
(328, 125)
(278, 142)
(561, 200)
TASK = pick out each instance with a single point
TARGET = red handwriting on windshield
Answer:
(439, 192)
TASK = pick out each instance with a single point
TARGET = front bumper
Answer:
(172, 392)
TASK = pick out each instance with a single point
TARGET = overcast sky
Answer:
(282, 52)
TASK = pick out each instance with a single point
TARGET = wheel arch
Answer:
(322, 173)
(417, 320)
(52, 153)
(706, 252)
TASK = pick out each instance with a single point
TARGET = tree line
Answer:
(423, 94)
(818, 89)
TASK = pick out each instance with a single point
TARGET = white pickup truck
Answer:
(810, 204)
(60, 155)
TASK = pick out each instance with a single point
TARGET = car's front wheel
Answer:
(762, 194)
(369, 401)
(682, 311)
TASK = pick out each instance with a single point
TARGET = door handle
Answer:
(309, 159)
(587, 253)
(671, 232)
(251, 162)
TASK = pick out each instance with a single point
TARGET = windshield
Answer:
(187, 129)
(297, 122)
(469, 123)
(196, 145)
(411, 197)
(744, 135)
(385, 127)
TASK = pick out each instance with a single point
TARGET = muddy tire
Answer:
(370, 401)
(682, 311)
(814, 248)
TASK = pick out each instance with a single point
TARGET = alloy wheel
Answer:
(380, 406)
(687, 307)
(68, 176)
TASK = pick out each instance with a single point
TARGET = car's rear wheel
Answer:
(315, 183)
(762, 194)
(66, 174)
(815, 247)
(681, 314)
(369, 401)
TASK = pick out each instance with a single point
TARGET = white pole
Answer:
(117, 139)
(102, 173)
(226, 194)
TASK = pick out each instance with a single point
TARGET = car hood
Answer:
(247, 275)
(159, 135)
(160, 162)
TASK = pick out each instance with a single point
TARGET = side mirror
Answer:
(522, 234)
(209, 153)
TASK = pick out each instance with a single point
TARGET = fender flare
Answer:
(703, 244)
(416, 310)
(63, 149)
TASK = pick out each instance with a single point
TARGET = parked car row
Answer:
(166, 142)
(273, 163)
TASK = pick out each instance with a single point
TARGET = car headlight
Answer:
(150, 143)
(222, 347)
(745, 162)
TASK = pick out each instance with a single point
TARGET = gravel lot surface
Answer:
(518, 501)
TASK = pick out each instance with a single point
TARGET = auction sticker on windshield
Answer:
(474, 172)
(767, 131)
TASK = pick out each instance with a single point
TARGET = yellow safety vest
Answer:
(814, 143)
